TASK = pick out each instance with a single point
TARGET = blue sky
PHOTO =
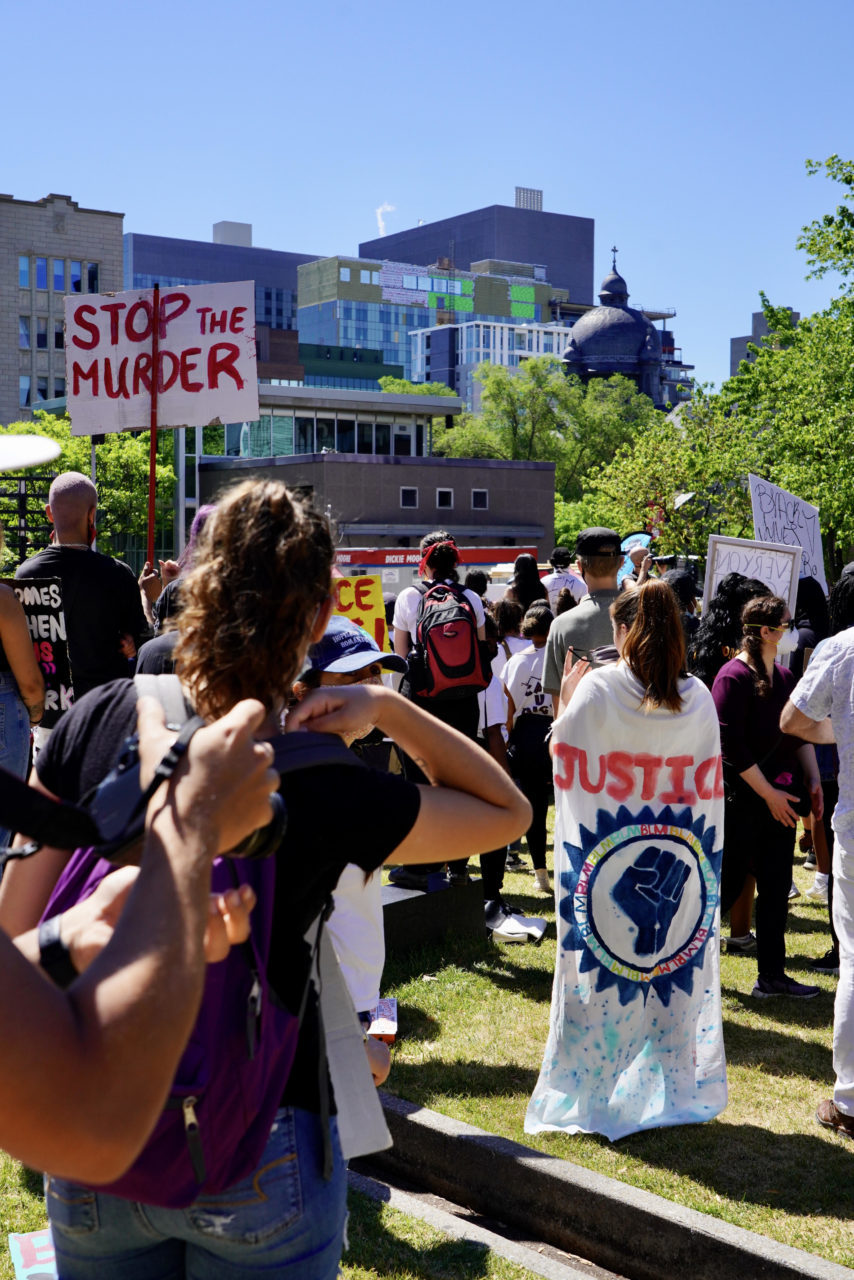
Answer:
(682, 129)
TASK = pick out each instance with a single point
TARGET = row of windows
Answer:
(29, 394)
(65, 275)
(43, 327)
(279, 435)
(444, 499)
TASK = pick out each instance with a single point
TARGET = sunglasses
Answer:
(784, 626)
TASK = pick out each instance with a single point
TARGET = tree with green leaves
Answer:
(538, 414)
(828, 242)
(121, 474)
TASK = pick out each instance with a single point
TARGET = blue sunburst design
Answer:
(640, 899)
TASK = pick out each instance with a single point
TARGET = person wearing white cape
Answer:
(635, 1038)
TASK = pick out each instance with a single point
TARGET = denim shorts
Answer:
(283, 1220)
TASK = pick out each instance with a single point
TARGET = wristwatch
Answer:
(54, 956)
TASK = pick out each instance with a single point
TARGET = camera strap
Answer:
(170, 762)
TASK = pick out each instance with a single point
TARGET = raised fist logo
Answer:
(649, 891)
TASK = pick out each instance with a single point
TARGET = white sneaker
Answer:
(817, 893)
(541, 880)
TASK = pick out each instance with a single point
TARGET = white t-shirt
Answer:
(356, 929)
(555, 582)
(515, 644)
(492, 707)
(523, 679)
(406, 608)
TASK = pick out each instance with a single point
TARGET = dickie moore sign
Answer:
(205, 365)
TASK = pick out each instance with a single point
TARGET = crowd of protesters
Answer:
(576, 661)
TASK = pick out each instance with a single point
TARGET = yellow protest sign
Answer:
(361, 600)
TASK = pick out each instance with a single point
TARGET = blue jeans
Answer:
(14, 733)
(282, 1221)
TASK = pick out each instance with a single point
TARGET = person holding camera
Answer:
(257, 597)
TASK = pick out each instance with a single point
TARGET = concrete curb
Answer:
(621, 1228)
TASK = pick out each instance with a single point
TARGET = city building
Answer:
(375, 304)
(560, 242)
(453, 353)
(759, 330)
(48, 248)
(616, 338)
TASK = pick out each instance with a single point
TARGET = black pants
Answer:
(459, 713)
(532, 771)
(756, 844)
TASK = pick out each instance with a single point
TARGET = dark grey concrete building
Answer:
(560, 243)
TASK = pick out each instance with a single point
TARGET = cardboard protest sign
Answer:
(206, 362)
(781, 517)
(33, 1256)
(361, 600)
(775, 564)
(41, 599)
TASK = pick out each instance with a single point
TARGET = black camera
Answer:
(117, 807)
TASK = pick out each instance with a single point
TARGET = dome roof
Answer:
(613, 290)
(613, 335)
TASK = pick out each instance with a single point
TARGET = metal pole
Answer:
(92, 469)
(152, 453)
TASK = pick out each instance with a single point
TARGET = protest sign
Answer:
(41, 599)
(361, 600)
(32, 1254)
(781, 517)
(206, 360)
(775, 564)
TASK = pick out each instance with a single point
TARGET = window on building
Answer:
(41, 333)
(365, 437)
(424, 284)
(346, 435)
(76, 281)
(25, 384)
(480, 499)
(364, 276)
(58, 335)
(23, 272)
(344, 274)
(382, 438)
(304, 430)
(41, 273)
(41, 389)
(410, 282)
(325, 434)
(440, 285)
(92, 277)
(375, 277)
(58, 387)
(59, 275)
(24, 332)
(445, 499)
(409, 498)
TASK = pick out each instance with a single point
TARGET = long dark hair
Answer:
(764, 611)
(811, 608)
(719, 634)
(841, 604)
(654, 649)
(526, 584)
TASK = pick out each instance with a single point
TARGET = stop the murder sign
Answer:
(205, 365)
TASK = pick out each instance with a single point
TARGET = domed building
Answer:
(614, 338)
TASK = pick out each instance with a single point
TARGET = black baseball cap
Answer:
(560, 556)
(598, 541)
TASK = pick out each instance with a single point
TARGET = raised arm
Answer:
(84, 1073)
(472, 805)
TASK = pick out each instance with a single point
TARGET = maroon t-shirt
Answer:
(750, 725)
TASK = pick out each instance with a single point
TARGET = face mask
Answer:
(788, 642)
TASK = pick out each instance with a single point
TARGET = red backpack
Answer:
(448, 657)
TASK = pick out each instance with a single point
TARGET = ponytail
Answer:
(654, 649)
(765, 611)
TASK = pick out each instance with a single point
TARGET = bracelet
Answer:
(54, 955)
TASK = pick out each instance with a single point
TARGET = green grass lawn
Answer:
(472, 1033)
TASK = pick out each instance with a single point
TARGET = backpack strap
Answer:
(168, 692)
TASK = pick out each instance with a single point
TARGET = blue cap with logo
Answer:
(347, 647)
